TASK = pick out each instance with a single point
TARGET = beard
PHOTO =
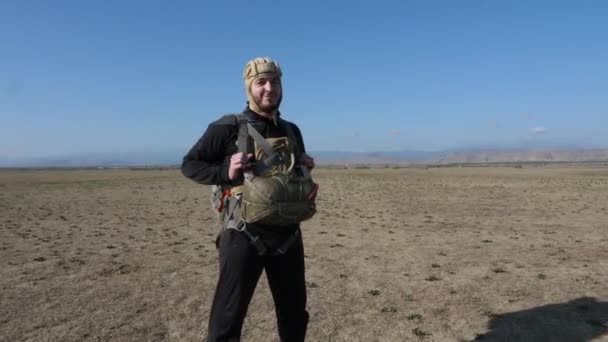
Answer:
(268, 107)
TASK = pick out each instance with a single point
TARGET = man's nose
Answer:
(268, 86)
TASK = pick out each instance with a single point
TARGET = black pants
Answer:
(240, 270)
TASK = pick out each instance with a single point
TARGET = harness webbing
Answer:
(232, 218)
(303, 169)
(262, 249)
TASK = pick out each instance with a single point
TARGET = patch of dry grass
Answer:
(447, 254)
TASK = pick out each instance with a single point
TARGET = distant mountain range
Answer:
(454, 157)
(106, 159)
(405, 157)
(525, 156)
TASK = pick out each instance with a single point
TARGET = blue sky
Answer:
(97, 76)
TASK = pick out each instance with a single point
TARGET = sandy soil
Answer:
(440, 254)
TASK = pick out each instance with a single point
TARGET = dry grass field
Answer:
(440, 254)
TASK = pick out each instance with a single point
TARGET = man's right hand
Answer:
(239, 162)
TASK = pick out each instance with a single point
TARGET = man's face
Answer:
(266, 91)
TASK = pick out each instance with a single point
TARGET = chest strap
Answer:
(246, 130)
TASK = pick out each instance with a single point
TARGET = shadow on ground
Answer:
(579, 320)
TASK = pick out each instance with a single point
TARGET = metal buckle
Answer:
(240, 227)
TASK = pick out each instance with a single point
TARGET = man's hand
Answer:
(307, 161)
(239, 162)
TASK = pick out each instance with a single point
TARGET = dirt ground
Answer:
(439, 254)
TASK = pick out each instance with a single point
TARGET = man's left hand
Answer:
(307, 161)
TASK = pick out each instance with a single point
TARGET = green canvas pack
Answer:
(277, 192)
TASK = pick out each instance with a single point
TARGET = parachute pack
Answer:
(277, 192)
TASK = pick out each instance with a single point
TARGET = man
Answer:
(248, 249)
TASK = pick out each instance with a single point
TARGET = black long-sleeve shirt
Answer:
(208, 160)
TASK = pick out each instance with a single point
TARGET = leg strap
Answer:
(255, 240)
(285, 246)
(261, 247)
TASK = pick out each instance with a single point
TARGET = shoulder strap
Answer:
(247, 130)
(243, 135)
(259, 139)
(292, 136)
(243, 140)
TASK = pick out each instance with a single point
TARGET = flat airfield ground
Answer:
(410, 254)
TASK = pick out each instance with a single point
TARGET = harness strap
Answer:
(262, 249)
(247, 130)
(243, 141)
(259, 139)
(285, 246)
(272, 156)
(254, 240)
(232, 218)
(243, 138)
(292, 136)
(233, 213)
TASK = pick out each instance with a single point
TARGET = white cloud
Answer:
(394, 132)
(538, 130)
